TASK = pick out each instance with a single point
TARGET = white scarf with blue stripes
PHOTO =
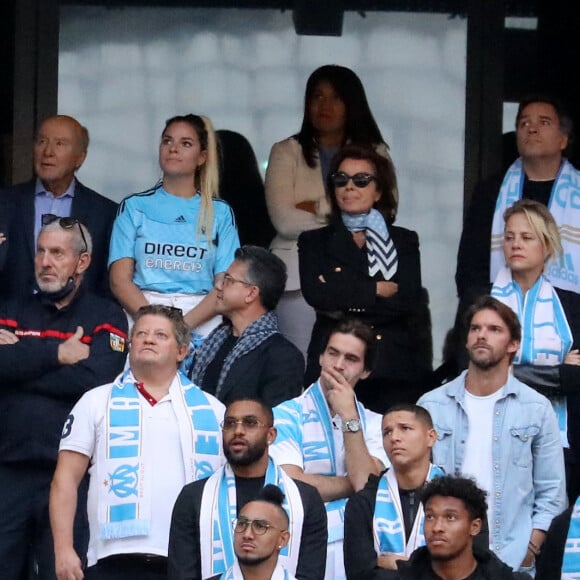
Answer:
(546, 335)
(388, 521)
(219, 509)
(235, 573)
(125, 498)
(571, 562)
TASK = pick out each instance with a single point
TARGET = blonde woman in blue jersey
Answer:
(170, 243)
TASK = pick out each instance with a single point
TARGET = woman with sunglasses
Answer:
(362, 266)
(336, 112)
(170, 243)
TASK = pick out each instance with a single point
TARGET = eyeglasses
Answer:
(163, 309)
(259, 527)
(341, 179)
(248, 423)
(66, 223)
(230, 281)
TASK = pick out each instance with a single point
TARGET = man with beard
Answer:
(54, 346)
(261, 532)
(492, 427)
(454, 513)
(201, 541)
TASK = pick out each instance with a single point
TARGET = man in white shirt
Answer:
(144, 436)
(327, 438)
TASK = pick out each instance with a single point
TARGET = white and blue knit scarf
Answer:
(564, 205)
(235, 573)
(546, 335)
(254, 335)
(381, 251)
(219, 509)
(571, 562)
(318, 446)
(388, 521)
(125, 498)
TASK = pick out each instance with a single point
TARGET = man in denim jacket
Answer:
(492, 427)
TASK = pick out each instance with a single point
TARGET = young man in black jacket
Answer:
(455, 509)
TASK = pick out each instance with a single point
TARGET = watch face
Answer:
(353, 425)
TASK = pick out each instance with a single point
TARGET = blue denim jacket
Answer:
(528, 464)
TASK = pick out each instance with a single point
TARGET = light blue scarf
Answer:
(388, 521)
(235, 573)
(219, 509)
(571, 562)
(125, 499)
(564, 205)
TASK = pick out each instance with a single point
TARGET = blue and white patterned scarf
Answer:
(125, 498)
(254, 335)
(546, 335)
(388, 521)
(571, 562)
(318, 446)
(235, 573)
(219, 509)
(381, 251)
(564, 205)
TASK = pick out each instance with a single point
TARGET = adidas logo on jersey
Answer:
(180, 219)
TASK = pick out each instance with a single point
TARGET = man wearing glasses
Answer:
(247, 356)
(261, 533)
(54, 346)
(201, 542)
(143, 437)
(60, 148)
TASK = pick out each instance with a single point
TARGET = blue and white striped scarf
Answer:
(388, 521)
(235, 573)
(318, 446)
(219, 509)
(546, 335)
(571, 562)
(381, 251)
(564, 205)
(125, 499)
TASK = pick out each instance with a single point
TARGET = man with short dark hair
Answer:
(492, 427)
(54, 346)
(201, 542)
(327, 438)
(384, 521)
(455, 510)
(247, 356)
(544, 132)
(142, 438)
(60, 148)
(261, 532)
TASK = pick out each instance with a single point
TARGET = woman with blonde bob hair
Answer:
(169, 243)
(548, 358)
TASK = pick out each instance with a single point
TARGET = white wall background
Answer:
(123, 72)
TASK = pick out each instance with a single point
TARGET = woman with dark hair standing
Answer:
(336, 112)
(362, 266)
(170, 243)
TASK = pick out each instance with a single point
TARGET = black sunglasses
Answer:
(66, 223)
(340, 179)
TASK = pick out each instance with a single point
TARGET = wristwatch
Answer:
(351, 426)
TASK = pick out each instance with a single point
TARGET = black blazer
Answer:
(93, 210)
(348, 290)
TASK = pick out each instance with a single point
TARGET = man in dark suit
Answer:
(246, 356)
(60, 148)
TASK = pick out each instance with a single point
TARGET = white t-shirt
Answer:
(161, 448)
(478, 459)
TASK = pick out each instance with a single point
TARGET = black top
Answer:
(550, 560)
(360, 557)
(184, 544)
(214, 368)
(37, 392)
